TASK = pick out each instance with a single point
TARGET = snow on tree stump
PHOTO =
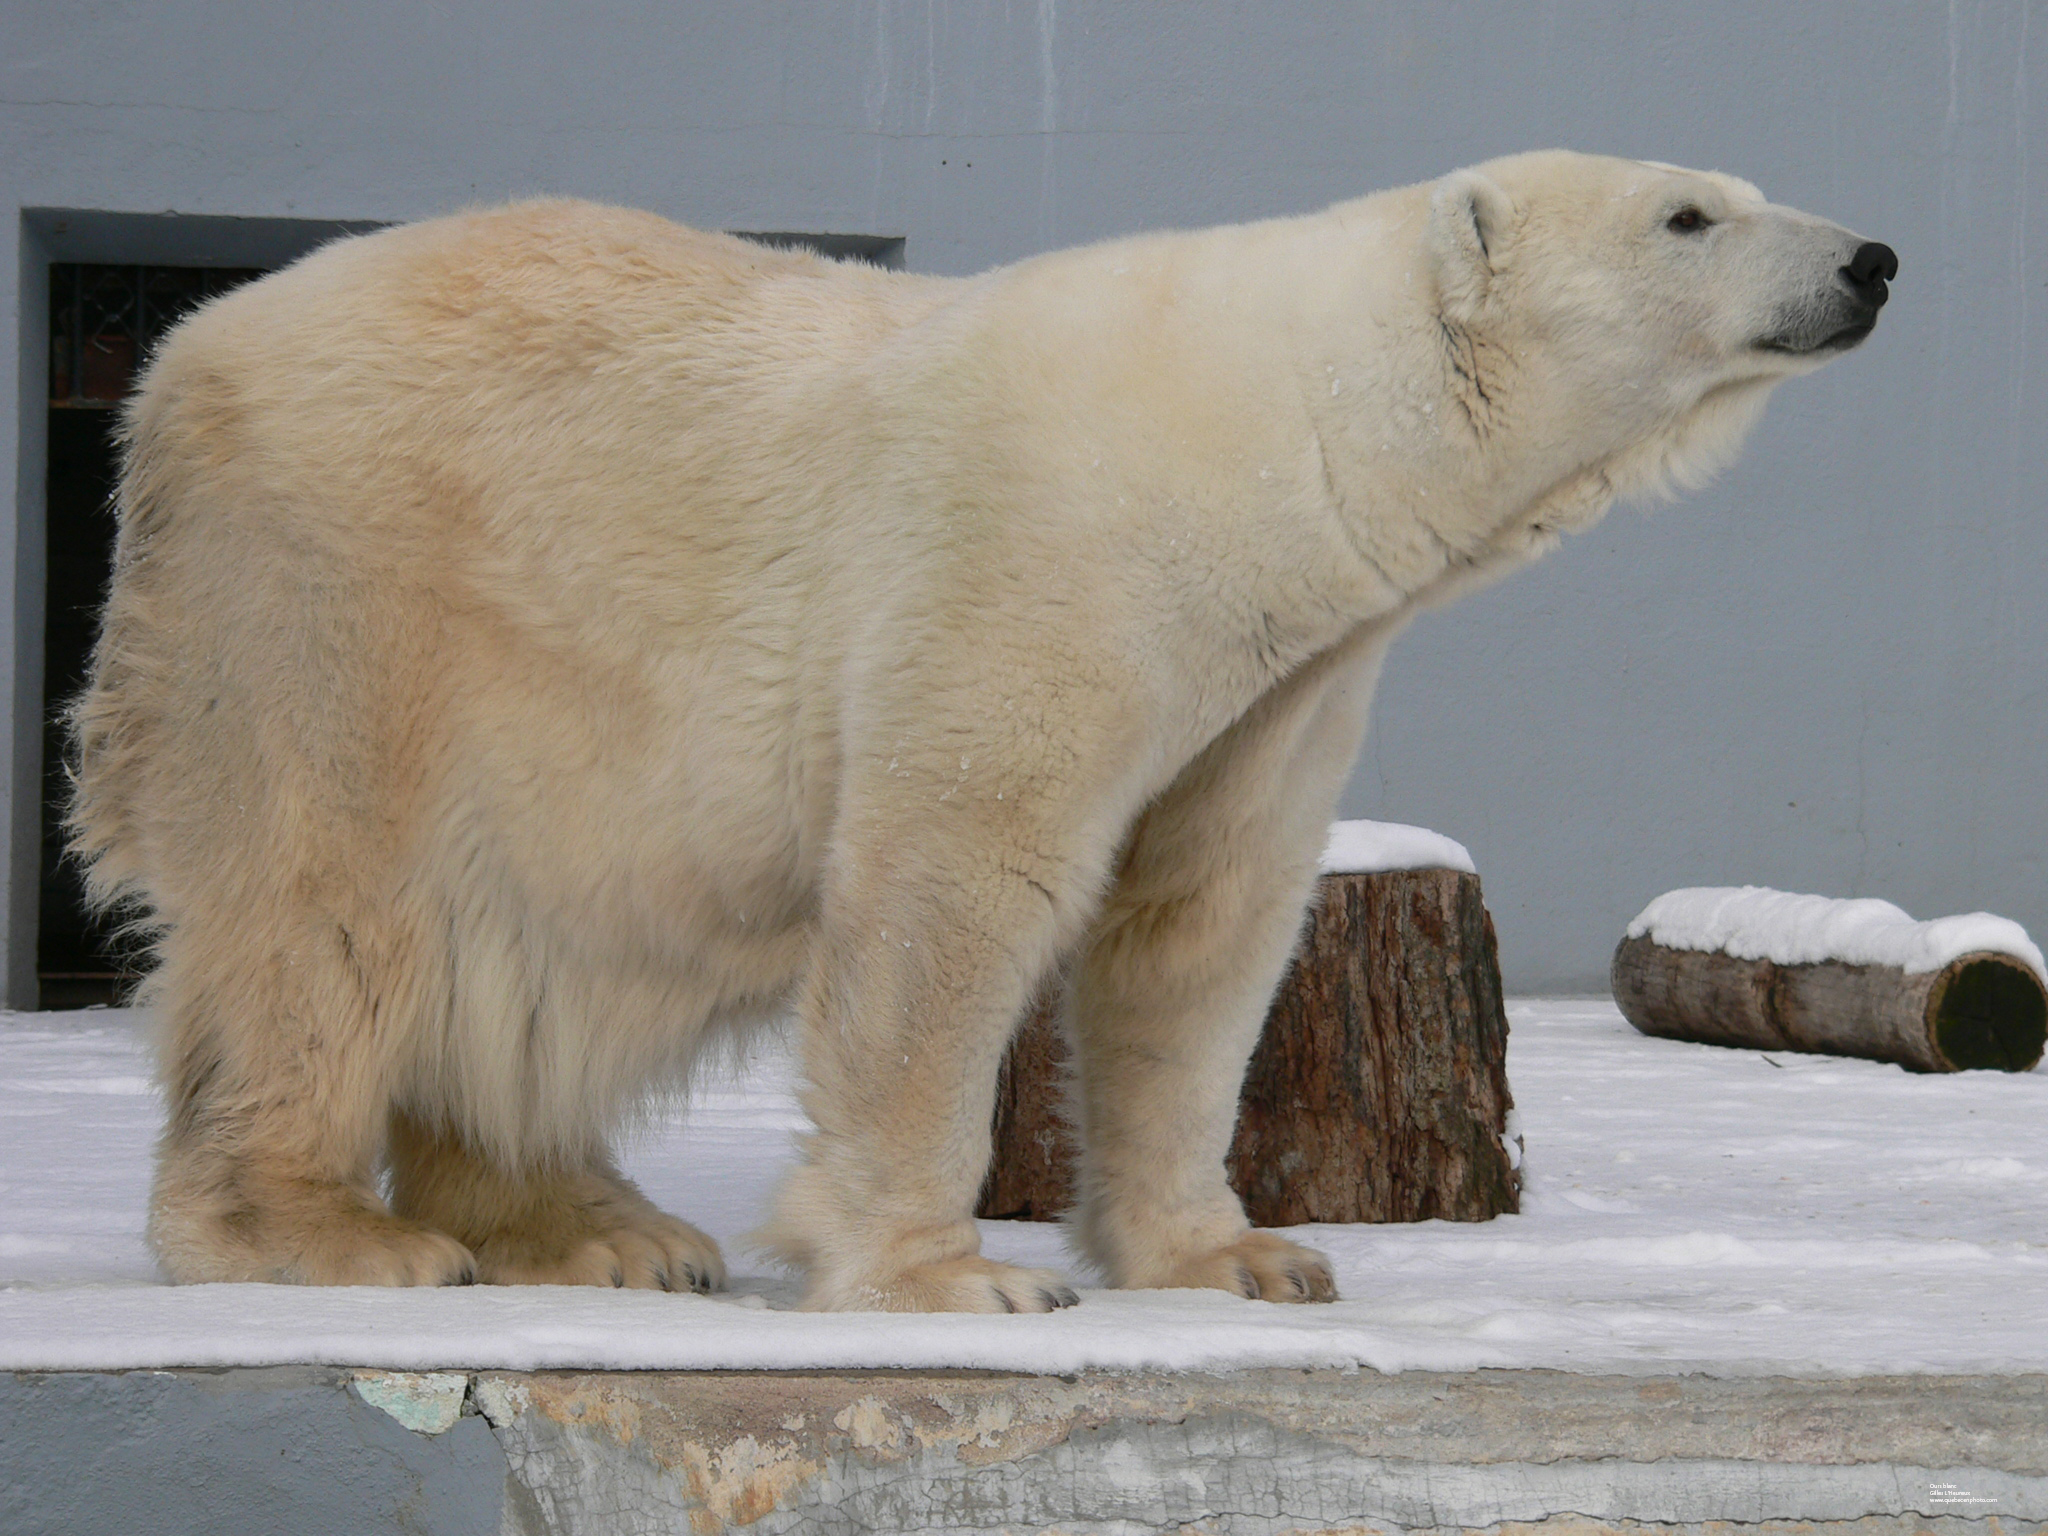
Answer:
(1766, 970)
(1378, 1091)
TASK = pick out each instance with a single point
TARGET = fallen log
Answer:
(1378, 1091)
(1766, 970)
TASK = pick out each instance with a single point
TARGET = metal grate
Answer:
(106, 320)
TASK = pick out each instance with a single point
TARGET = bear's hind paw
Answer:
(643, 1250)
(967, 1284)
(1261, 1267)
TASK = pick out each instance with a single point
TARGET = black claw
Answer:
(618, 1278)
(1059, 1296)
(661, 1279)
(464, 1276)
(1247, 1284)
(1004, 1297)
(1299, 1282)
(691, 1279)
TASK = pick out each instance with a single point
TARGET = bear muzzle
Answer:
(1844, 314)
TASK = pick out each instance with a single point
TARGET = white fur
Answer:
(545, 636)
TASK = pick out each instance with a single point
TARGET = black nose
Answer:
(1870, 269)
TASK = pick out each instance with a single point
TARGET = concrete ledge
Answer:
(310, 1450)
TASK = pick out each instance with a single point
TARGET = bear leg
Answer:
(214, 1217)
(1172, 989)
(574, 1223)
(266, 1170)
(937, 927)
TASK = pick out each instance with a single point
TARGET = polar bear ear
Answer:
(1469, 218)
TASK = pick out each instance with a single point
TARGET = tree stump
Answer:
(1378, 1091)
(1983, 1010)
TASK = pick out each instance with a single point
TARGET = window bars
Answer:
(105, 321)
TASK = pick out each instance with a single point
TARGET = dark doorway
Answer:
(104, 322)
(876, 250)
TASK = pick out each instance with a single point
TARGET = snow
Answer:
(1369, 847)
(1688, 1208)
(1752, 922)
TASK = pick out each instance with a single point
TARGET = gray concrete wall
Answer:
(1826, 674)
(287, 1451)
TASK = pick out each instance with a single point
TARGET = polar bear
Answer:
(546, 639)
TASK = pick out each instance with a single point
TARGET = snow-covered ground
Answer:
(1687, 1209)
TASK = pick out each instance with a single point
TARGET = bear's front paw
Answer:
(969, 1284)
(1262, 1267)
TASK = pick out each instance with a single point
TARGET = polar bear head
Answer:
(1644, 310)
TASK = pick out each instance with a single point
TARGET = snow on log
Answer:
(1770, 970)
(1375, 847)
(1378, 1091)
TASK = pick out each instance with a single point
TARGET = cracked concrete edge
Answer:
(1264, 1452)
(1250, 1454)
(426, 1402)
(1580, 1525)
(1994, 1422)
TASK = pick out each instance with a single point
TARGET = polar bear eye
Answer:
(1688, 221)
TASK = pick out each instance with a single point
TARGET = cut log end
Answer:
(1989, 1012)
(1983, 1011)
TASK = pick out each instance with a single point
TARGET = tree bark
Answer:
(1981, 1010)
(1378, 1091)
(1031, 1169)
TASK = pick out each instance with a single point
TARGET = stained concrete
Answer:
(308, 1450)
(1259, 1452)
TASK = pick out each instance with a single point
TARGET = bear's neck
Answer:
(1437, 444)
